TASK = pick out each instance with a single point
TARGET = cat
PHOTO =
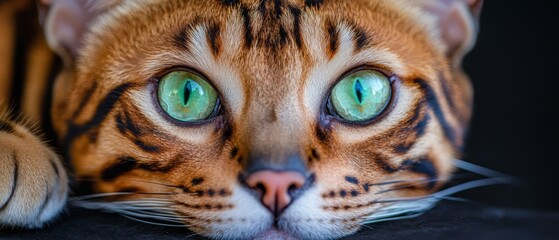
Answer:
(246, 118)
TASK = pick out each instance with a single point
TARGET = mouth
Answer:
(273, 234)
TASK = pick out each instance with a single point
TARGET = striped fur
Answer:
(273, 63)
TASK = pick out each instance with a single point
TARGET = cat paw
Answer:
(33, 182)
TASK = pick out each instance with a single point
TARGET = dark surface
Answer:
(515, 128)
(447, 221)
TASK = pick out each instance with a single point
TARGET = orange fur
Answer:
(273, 64)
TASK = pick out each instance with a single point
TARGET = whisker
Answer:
(117, 207)
(177, 219)
(113, 194)
(395, 181)
(141, 210)
(155, 223)
(393, 218)
(133, 180)
(191, 235)
(410, 207)
(99, 195)
(470, 185)
(423, 181)
(486, 172)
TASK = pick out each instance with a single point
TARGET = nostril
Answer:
(260, 188)
(293, 188)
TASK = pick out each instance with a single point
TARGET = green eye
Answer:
(186, 96)
(361, 96)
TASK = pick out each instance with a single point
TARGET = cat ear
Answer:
(458, 23)
(66, 21)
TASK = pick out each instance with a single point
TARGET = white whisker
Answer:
(139, 210)
(411, 207)
(155, 223)
(486, 172)
(99, 195)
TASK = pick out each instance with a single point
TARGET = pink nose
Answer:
(276, 187)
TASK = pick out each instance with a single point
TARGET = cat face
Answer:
(247, 118)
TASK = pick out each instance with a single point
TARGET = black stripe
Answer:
(14, 184)
(431, 99)
(315, 154)
(85, 99)
(247, 26)
(278, 8)
(422, 166)
(333, 38)
(126, 164)
(6, 127)
(226, 130)
(101, 112)
(162, 166)
(125, 124)
(121, 166)
(360, 38)
(230, 2)
(422, 125)
(313, 3)
(296, 12)
(447, 93)
(146, 147)
(403, 147)
(213, 35)
(419, 130)
(276, 11)
(385, 166)
(234, 152)
(321, 133)
(382, 161)
(180, 39)
(283, 37)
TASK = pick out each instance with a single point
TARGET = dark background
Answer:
(515, 129)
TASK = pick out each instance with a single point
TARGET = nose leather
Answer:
(276, 187)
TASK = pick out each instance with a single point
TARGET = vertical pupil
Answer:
(359, 90)
(187, 91)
